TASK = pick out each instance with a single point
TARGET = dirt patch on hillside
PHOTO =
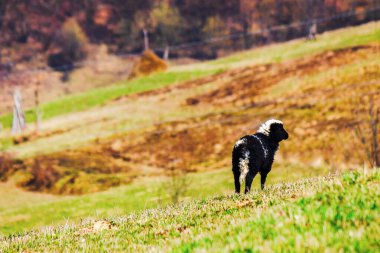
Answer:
(248, 82)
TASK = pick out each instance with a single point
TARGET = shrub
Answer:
(82, 183)
(367, 131)
(6, 165)
(147, 64)
(72, 43)
(41, 176)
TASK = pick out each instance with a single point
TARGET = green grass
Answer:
(5, 143)
(142, 194)
(343, 38)
(320, 214)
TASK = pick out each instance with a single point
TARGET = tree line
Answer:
(119, 23)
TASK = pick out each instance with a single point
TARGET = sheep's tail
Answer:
(244, 167)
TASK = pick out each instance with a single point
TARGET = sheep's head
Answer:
(274, 129)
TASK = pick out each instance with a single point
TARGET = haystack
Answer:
(147, 64)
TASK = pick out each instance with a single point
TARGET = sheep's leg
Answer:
(248, 181)
(263, 179)
(237, 183)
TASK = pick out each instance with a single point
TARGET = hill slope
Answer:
(333, 213)
(130, 128)
(21, 211)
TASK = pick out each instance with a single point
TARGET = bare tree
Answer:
(368, 135)
(178, 184)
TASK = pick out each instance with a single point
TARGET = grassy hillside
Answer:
(127, 136)
(21, 211)
(336, 213)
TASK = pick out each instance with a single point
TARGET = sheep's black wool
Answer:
(254, 154)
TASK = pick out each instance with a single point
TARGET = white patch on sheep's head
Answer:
(274, 129)
(265, 128)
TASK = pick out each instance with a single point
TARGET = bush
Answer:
(82, 183)
(72, 43)
(147, 64)
(45, 174)
(41, 176)
(6, 166)
(367, 131)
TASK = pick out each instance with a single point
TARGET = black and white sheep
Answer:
(254, 154)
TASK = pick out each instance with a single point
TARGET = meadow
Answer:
(334, 213)
(134, 131)
(21, 211)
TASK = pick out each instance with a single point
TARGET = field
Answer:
(21, 211)
(136, 132)
(317, 214)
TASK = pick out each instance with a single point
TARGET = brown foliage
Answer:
(367, 133)
(72, 173)
(42, 176)
(118, 23)
(6, 166)
(72, 41)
